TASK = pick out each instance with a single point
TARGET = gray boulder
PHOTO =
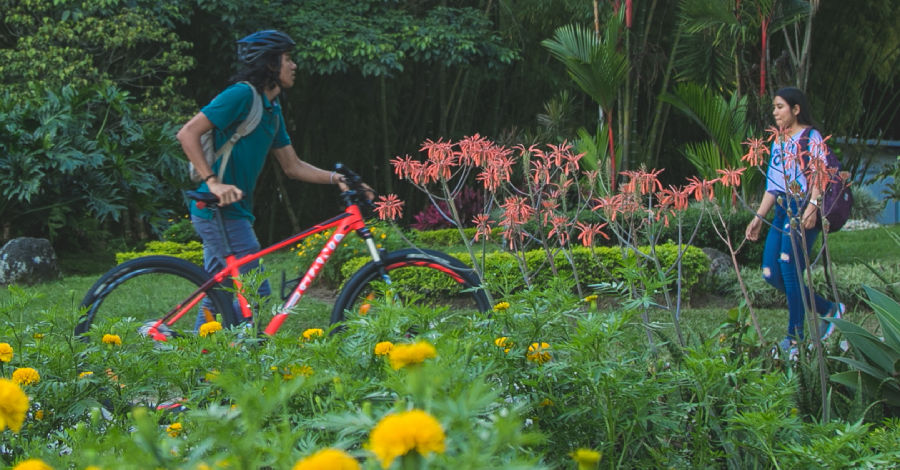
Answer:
(28, 261)
(719, 263)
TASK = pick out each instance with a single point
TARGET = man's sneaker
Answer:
(826, 327)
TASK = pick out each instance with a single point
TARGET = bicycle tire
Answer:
(460, 274)
(151, 285)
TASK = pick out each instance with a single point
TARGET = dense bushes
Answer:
(191, 251)
(591, 382)
(502, 271)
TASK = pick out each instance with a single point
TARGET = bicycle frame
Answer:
(350, 220)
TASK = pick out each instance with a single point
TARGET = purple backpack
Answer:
(837, 202)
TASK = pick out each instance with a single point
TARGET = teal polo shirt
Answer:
(227, 111)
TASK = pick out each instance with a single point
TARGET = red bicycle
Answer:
(145, 288)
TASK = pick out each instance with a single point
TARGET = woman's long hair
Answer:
(794, 97)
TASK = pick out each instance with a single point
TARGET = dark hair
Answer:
(794, 97)
(262, 74)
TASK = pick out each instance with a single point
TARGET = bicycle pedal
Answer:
(157, 333)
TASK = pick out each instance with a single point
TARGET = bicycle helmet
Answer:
(258, 44)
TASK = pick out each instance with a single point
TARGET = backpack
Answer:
(837, 202)
(208, 140)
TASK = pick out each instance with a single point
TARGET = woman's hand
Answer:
(810, 216)
(753, 229)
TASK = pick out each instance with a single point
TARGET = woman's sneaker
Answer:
(788, 347)
(826, 327)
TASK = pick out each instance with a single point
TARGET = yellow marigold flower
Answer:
(591, 298)
(26, 376)
(203, 466)
(32, 464)
(502, 342)
(112, 339)
(383, 236)
(38, 336)
(13, 405)
(383, 348)
(209, 328)
(174, 429)
(407, 354)
(39, 415)
(6, 352)
(305, 371)
(400, 433)
(501, 306)
(312, 333)
(586, 458)
(545, 403)
(94, 467)
(537, 352)
(211, 376)
(85, 374)
(328, 459)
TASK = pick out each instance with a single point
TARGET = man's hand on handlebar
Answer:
(227, 193)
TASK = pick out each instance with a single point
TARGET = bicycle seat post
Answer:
(220, 222)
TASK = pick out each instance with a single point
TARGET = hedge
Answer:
(449, 236)
(191, 251)
(503, 269)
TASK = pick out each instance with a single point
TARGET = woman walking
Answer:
(785, 254)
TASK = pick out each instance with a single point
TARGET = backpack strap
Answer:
(803, 144)
(244, 129)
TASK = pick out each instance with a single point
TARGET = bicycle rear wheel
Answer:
(448, 282)
(145, 289)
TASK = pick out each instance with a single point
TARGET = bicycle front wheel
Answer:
(425, 277)
(143, 290)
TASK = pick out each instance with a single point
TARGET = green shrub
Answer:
(849, 280)
(501, 268)
(448, 236)
(191, 251)
(181, 231)
(351, 247)
(736, 221)
(866, 206)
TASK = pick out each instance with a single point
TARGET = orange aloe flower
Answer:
(483, 226)
(560, 228)
(389, 207)
(756, 155)
(401, 166)
(588, 231)
(731, 177)
(701, 188)
(516, 211)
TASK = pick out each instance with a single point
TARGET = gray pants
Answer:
(243, 242)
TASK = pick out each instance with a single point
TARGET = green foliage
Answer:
(378, 37)
(269, 404)
(501, 270)
(181, 231)
(103, 44)
(736, 221)
(867, 206)
(351, 247)
(191, 251)
(77, 153)
(726, 123)
(849, 280)
(447, 237)
(876, 359)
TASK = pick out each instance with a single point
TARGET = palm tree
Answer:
(596, 67)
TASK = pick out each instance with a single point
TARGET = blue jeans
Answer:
(243, 242)
(780, 267)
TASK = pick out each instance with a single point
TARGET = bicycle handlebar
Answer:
(357, 194)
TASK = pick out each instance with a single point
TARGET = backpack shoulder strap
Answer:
(245, 128)
(803, 143)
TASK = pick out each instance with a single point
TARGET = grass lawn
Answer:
(314, 311)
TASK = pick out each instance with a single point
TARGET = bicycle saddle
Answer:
(206, 198)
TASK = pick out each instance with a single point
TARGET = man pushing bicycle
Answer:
(244, 122)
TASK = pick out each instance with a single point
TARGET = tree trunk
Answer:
(386, 139)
